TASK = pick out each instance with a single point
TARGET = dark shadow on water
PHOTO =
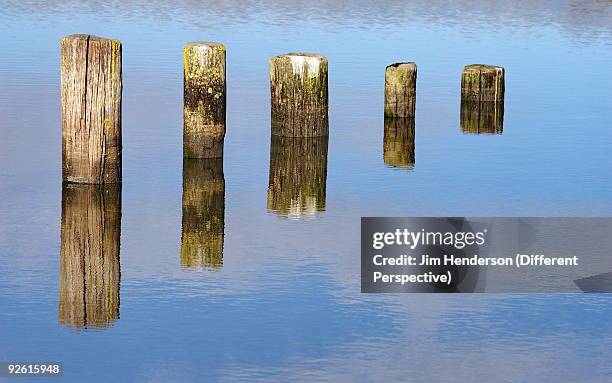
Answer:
(398, 143)
(203, 226)
(90, 271)
(600, 283)
(482, 117)
(298, 176)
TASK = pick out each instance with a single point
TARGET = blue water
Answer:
(285, 305)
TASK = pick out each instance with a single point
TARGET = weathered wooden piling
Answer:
(203, 213)
(89, 255)
(91, 87)
(400, 89)
(398, 143)
(204, 100)
(482, 83)
(298, 175)
(299, 97)
(482, 117)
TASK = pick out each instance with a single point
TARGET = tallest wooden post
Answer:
(91, 86)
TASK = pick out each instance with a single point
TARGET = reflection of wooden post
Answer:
(482, 83)
(482, 117)
(89, 257)
(398, 144)
(203, 213)
(204, 100)
(298, 175)
(400, 89)
(91, 88)
(298, 86)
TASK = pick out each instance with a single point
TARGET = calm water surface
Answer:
(271, 291)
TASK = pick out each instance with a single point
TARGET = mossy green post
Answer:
(203, 226)
(398, 143)
(299, 96)
(400, 90)
(482, 83)
(298, 175)
(91, 88)
(204, 97)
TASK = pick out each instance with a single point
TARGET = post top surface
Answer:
(204, 44)
(81, 36)
(302, 63)
(301, 55)
(409, 64)
(482, 67)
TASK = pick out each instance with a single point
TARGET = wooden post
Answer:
(298, 87)
(400, 89)
(482, 99)
(482, 117)
(89, 255)
(298, 175)
(91, 88)
(203, 213)
(204, 96)
(398, 143)
(481, 83)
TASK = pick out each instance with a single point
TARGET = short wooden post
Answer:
(91, 86)
(482, 99)
(298, 175)
(482, 117)
(204, 96)
(203, 213)
(398, 143)
(400, 89)
(89, 255)
(482, 83)
(298, 87)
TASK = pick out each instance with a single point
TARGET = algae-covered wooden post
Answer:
(89, 255)
(398, 143)
(91, 87)
(298, 175)
(204, 96)
(203, 213)
(298, 87)
(482, 83)
(482, 99)
(400, 89)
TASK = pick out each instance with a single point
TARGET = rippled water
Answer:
(275, 296)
